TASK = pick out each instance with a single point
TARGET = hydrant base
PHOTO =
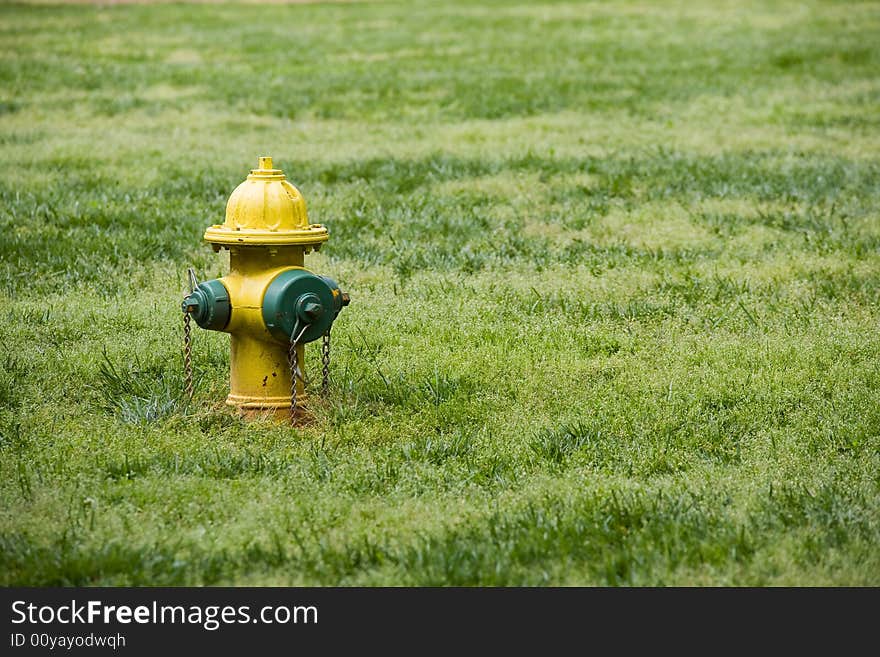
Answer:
(274, 408)
(243, 401)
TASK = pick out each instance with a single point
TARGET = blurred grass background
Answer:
(614, 271)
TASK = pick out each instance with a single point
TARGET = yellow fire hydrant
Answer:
(268, 303)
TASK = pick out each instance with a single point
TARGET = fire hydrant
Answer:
(268, 303)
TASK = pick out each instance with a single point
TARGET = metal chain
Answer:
(187, 338)
(293, 361)
(187, 356)
(325, 364)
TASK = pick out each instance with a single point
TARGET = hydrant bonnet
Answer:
(266, 210)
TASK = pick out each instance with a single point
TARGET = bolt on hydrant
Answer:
(268, 303)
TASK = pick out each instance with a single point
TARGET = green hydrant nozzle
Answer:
(209, 305)
(297, 296)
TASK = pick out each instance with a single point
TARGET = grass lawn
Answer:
(614, 268)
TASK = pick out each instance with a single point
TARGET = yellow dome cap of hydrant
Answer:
(266, 210)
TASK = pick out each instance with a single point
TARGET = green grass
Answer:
(615, 272)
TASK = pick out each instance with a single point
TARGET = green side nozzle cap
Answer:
(209, 305)
(296, 298)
